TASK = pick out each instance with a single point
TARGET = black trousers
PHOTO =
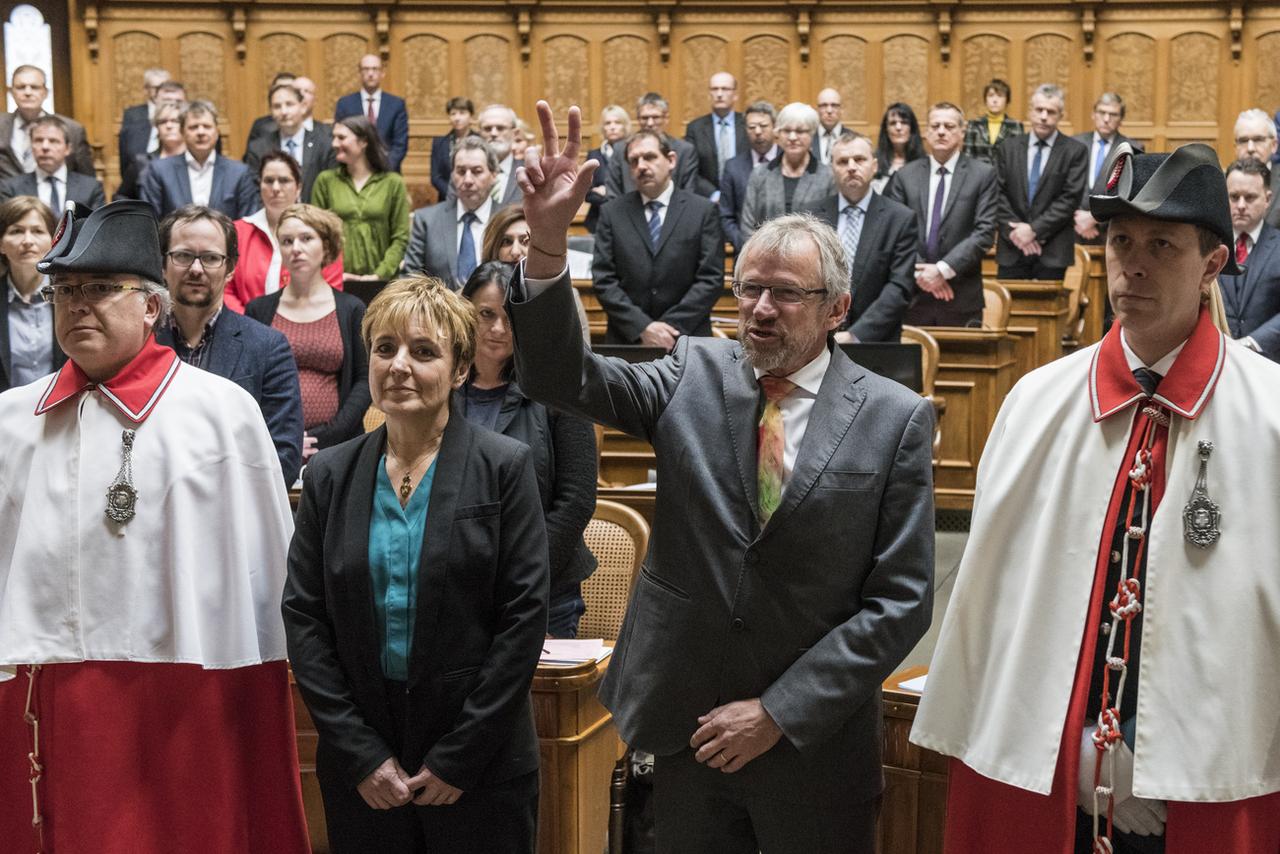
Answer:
(700, 810)
(1030, 267)
(933, 312)
(496, 819)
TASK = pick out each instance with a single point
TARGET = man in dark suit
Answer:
(266, 125)
(1255, 139)
(139, 137)
(1042, 178)
(312, 147)
(658, 265)
(200, 253)
(52, 182)
(385, 111)
(830, 129)
(955, 217)
(29, 91)
(445, 238)
(1108, 113)
(1252, 298)
(879, 239)
(201, 176)
(791, 564)
(761, 150)
(652, 113)
(719, 136)
(461, 112)
(135, 122)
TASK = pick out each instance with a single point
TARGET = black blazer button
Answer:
(738, 625)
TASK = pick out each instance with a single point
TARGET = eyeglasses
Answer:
(89, 291)
(782, 294)
(208, 260)
(1256, 140)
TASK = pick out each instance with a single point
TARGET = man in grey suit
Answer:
(29, 89)
(52, 182)
(879, 238)
(497, 125)
(1042, 180)
(1108, 114)
(445, 238)
(652, 113)
(786, 578)
(953, 196)
(312, 147)
(1252, 298)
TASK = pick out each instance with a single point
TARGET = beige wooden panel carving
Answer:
(626, 71)
(986, 56)
(703, 56)
(766, 67)
(203, 67)
(844, 68)
(426, 63)
(1048, 60)
(1131, 64)
(132, 53)
(1266, 55)
(1193, 78)
(906, 72)
(281, 52)
(488, 69)
(342, 52)
(566, 74)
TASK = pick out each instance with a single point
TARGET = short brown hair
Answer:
(324, 223)
(428, 299)
(14, 209)
(995, 84)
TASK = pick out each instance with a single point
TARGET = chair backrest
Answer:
(618, 537)
(929, 355)
(996, 305)
(1073, 281)
(373, 418)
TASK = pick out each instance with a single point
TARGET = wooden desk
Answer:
(915, 780)
(1037, 318)
(625, 459)
(578, 747)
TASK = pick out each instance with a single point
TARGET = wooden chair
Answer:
(929, 356)
(373, 418)
(600, 481)
(1077, 300)
(996, 304)
(618, 537)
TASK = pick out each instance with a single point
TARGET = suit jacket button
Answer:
(738, 625)
(751, 557)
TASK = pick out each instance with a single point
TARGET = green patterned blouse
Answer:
(375, 219)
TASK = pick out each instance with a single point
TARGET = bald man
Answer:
(385, 111)
(719, 136)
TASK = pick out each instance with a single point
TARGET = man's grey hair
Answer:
(471, 142)
(511, 114)
(199, 107)
(798, 114)
(1261, 117)
(156, 289)
(154, 76)
(764, 108)
(1112, 98)
(652, 99)
(785, 237)
(1054, 91)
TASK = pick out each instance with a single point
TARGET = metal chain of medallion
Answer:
(37, 768)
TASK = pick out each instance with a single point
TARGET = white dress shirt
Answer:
(663, 198)
(42, 187)
(758, 159)
(1097, 158)
(1032, 139)
(377, 103)
(477, 227)
(200, 178)
(797, 406)
(299, 144)
(259, 221)
(1161, 366)
(826, 139)
(943, 267)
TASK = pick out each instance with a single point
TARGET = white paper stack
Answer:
(570, 652)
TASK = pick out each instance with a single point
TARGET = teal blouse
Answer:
(395, 549)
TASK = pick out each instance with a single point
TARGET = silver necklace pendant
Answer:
(121, 496)
(1201, 515)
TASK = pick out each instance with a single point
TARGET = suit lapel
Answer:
(215, 189)
(359, 511)
(182, 179)
(1019, 177)
(635, 212)
(225, 350)
(741, 405)
(669, 224)
(1256, 266)
(451, 231)
(872, 225)
(956, 188)
(510, 406)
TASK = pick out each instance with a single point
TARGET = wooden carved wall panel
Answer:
(1131, 64)
(1266, 56)
(626, 71)
(426, 80)
(1193, 78)
(844, 65)
(1048, 60)
(906, 72)
(281, 52)
(131, 54)
(766, 70)
(488, 60)
(342, 53)
(986, 56)
(203, 67)
(566, 74)
(703, 56)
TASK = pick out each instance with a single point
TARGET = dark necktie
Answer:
(935, 218)
(467, 248)
(55, 204)
(1034, 179)
(1102, 157)
(655, 223)
(373, 117)
(1148, 379)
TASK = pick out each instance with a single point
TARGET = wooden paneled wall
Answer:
(1185, 68)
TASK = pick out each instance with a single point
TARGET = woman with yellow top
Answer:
(369, 198)
(983, 133)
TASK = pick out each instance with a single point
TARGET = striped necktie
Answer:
(770, 447)
(655, 222)
(851, 230)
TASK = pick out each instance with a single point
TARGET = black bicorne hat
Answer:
(119, 238)
(1185, 186)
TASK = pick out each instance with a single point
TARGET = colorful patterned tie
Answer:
(771, 442)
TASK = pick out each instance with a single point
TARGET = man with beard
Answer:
(791, 563)
(200, 254)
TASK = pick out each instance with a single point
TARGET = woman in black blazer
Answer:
(323, 328)
(564, 447)
(416, 603)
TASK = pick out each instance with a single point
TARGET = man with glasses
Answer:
(136, 122)
(1108, 114)
(200, 176)
(717, 136)
(200, 253)
(385, 111)
(791, 563)
(1255, 138)
(762, 148)
(144, 693)
(653, 113)
(830, 111)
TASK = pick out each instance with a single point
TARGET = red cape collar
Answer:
(135, 391)
(1185, 390)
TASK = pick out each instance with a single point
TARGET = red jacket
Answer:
(249, 279)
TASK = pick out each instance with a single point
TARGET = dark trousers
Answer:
(1030, 267)
(565, 610)
(1122, 843)
(497, 819)
(700, 810)
(933, 312)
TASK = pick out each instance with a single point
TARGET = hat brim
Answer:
(1104, 208)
